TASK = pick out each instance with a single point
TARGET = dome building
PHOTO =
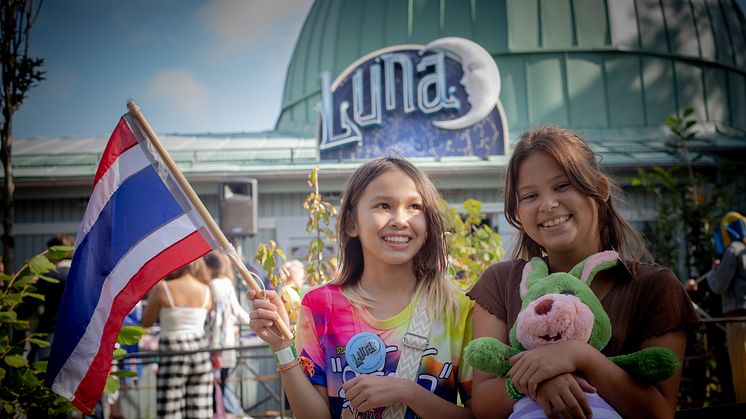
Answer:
(612, 70)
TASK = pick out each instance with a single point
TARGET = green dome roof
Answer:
(604, 66)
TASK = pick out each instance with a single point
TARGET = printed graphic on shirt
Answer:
(330, 325)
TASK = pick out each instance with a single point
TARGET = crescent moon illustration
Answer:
(481, 80)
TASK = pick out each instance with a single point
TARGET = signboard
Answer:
(441, 99)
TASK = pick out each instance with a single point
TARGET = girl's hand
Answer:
(562, 397)
(367, 392)
(532, 367)
(264, 315)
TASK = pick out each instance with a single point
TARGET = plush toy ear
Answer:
(533, 270)
(590, 266)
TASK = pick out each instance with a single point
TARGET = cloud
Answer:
(243, 24)
(180, 91)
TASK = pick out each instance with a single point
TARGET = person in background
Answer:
(293, 276)
(227, 314)
(52, 293)
(184, 382)
(727, 277)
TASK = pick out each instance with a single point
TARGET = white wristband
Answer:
(285, 355)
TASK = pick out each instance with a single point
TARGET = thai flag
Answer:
(138, 227)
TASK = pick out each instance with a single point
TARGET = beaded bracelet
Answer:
(291, 364)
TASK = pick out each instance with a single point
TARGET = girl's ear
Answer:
(352, 230)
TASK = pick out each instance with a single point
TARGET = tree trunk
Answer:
(9, 188)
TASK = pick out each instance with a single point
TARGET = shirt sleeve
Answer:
(720, 278)
(466, 371)
(665, 306)
(307, 342)
(488, 293)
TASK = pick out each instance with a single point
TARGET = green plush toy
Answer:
(562, 307)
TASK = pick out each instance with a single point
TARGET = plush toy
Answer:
(562, 307)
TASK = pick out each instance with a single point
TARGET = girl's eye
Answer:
(417, 207)
(383, 205)
(527, 196)
(562, 186)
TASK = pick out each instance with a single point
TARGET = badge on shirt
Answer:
(365, 353)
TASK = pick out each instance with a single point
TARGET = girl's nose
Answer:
(549, 203)
(399, 218)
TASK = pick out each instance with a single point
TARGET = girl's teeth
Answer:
(556, 221)
(397, 239)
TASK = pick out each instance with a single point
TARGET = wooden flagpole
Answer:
(194, 199)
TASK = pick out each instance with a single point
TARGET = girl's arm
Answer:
(306, 400)
(630, 397)
(722, 273)
(367, 392)
(562, 393)
(150, 314)
(488, 396)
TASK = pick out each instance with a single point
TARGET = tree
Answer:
(19, 74)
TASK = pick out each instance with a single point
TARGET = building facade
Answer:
(612, 70)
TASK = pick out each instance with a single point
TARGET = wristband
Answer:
(285, 355)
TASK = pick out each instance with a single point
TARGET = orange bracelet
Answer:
(291, 364)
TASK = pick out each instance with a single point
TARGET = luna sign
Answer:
(440, 99)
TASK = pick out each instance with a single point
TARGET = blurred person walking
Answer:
(181, 302)
(227, 314)
(728, 278)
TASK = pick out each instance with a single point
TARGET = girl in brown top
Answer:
(562, 203)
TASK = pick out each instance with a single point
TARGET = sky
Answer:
(192, 66)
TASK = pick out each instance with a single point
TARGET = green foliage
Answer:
(268, 254)
(472, 245)
(319, 268)
(129, 335)
(690, 200)
(22, 391)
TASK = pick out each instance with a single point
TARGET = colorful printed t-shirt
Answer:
(328, 321)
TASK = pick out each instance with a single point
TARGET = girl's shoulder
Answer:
(502, 271)
(323, 295)
(648, 273)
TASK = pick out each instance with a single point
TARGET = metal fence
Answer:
(254, 381)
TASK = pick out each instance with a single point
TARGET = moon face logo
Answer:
(481, 80)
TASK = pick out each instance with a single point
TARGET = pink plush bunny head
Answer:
(561, 306)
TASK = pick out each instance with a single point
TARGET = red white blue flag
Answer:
(138, 227)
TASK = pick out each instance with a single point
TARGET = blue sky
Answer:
(192, 66)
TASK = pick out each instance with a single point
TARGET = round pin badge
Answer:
(365, 353)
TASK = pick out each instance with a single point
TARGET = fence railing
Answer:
(253, 381)
(259, 393)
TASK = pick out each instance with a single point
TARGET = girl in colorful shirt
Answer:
(352, 331)
(563, 205)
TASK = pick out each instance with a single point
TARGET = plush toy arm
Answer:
(650, 364)
(489, 355)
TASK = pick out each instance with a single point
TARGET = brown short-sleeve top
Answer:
(646, 300)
